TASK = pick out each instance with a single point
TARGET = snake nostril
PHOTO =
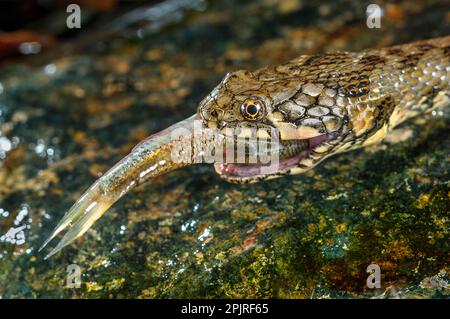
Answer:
(214, 113)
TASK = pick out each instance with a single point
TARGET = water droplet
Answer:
(50, 69)
(30, 48)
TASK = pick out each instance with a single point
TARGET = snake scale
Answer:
(312, 107)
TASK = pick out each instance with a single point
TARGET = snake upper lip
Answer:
(236, 170)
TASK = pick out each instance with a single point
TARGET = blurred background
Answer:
(75, 101)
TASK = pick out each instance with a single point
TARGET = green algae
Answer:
(190, 234)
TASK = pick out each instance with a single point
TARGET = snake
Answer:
(281, 120)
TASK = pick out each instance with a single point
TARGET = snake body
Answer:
(357, 97)
(312, 107)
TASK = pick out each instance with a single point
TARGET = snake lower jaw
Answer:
(306, 157)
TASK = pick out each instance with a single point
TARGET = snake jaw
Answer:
(312, 151)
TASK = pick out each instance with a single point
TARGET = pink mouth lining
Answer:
(248, 170)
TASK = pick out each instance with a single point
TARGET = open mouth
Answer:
(291, 153)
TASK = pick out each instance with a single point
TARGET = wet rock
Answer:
(189, 234)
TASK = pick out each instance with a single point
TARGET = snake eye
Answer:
(253, 108)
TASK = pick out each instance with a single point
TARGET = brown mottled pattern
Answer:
(357, 97)
(320, 105)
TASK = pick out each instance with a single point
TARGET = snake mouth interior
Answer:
(298, 150)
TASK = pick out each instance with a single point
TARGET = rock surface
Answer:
(71, 115)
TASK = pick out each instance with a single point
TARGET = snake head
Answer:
(307, 119)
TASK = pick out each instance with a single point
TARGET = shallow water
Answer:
(68, 117)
